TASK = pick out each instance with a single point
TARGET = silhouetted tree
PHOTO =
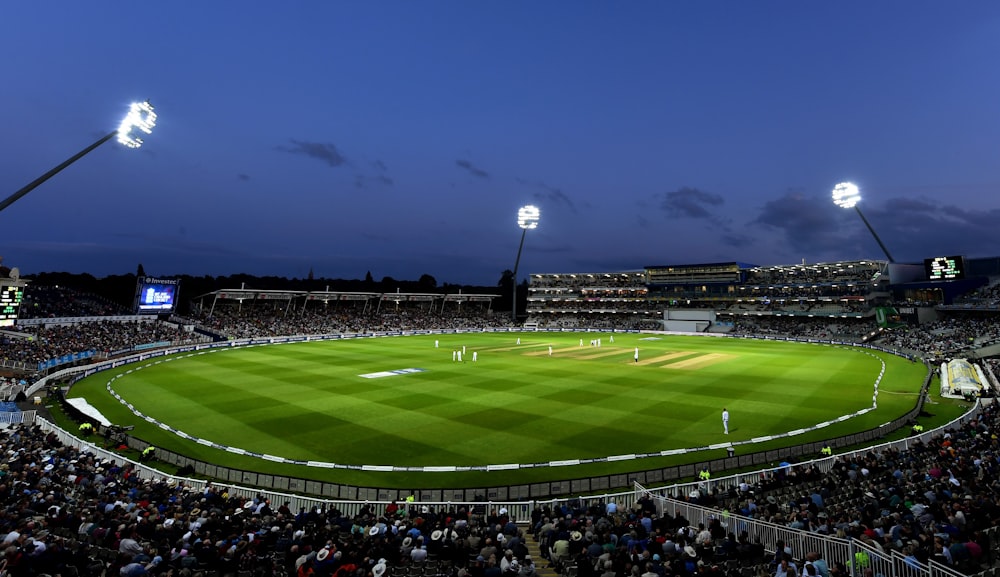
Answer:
(427, 282)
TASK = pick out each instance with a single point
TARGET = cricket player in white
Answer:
(475, 356)
(550, 350)
(637, 354)
(725, 420)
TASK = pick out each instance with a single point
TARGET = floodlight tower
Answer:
(527, 219)
(140, 119)
(847, 195)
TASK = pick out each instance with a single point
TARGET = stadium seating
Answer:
(71, 513)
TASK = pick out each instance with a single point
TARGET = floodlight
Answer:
(140, 117)
(527, 219)
(846, 195)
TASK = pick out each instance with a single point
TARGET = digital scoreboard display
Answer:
(945, 268)
(156, 296)
(10, 304)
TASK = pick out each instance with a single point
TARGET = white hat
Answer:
(689, 551)
(436, 535)
(373, 531)
(322, 554)
(378, 570)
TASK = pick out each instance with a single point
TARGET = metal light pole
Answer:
(140, 117)
(527, 219)
(847, 195)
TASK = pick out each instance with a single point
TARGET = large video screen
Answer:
(156, 296)
(945, 268)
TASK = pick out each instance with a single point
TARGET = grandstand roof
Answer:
(325, 295)
(741, 265)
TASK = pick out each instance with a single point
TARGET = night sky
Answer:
(400, 138)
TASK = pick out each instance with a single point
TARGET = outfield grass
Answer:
(516, 404)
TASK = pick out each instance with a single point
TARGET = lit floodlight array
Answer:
(527, 217)
(846, 195)
(140, 118)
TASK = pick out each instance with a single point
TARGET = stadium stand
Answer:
(931, 506)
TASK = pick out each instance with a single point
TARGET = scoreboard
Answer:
(10, 304)
(945, 268)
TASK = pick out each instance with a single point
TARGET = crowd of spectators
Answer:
(821, 273)
(68, 513)
(46, 302)
(851, 330)
(987, 297)
(265, 321)
(955, 335)
(40, 343)
(936, 501)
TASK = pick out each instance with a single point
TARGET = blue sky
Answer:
(401, 137)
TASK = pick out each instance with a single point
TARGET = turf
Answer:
(516, 404)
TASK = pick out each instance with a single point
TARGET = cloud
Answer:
(361, 181)
(911, 227)
(918, 228)
(325, 151)
(474, 170)
(807, 223)
(736, 239)
(549, 194)
(692, 203)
